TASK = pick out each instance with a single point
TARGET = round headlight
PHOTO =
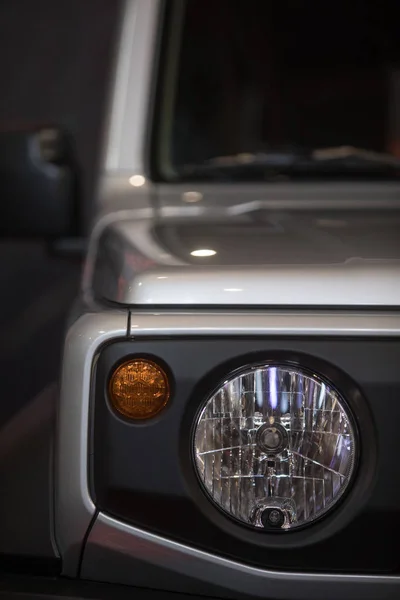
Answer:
(275, 447)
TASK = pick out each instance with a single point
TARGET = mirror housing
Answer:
(38, 185)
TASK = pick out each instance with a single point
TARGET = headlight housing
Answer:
(275, 447)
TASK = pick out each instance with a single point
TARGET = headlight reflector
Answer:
(275, 447)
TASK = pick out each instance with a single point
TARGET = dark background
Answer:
(55, 63)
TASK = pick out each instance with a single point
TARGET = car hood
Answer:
(155, 255)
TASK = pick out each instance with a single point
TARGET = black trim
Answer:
(247, 308)
(29, 565)
(158, 83)
(143, 473)
(39, 588)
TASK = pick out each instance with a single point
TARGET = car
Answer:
(227, 420)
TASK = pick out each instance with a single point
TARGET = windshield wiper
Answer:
(345, 160)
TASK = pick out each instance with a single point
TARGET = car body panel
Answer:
(336, 274)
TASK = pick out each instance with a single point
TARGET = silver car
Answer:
(227, 423)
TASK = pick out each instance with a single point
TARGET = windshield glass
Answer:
(260, 87)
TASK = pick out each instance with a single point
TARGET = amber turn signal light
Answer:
(139, 389)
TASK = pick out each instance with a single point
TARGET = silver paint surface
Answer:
(116, 552)
(133, 79)
(264, 256)
(128, 263)
(279, 244)
(74, 509)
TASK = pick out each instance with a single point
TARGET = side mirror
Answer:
(38, 185)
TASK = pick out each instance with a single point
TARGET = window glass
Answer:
(259, 87)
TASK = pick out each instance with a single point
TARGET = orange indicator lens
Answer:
(139, 389)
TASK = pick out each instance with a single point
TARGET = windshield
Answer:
(248, 84)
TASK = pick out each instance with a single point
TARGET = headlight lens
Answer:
(275, 447)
